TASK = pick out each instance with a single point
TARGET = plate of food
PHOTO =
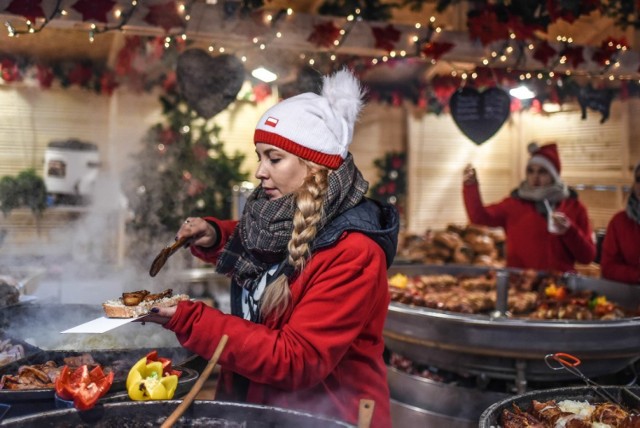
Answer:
(132, 306)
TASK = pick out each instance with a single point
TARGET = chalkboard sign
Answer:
(479, 115)
(595, 99)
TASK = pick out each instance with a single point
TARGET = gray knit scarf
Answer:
(553, 193)
(260, 240)
(633, 207)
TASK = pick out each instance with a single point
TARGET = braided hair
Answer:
(309, 200)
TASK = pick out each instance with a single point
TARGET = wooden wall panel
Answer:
(380, 129)
(634, 133)
(438, 153)
(31, 118)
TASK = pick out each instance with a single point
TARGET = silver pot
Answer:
(491, 417)
(154, 413)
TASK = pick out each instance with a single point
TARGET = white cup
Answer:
(551, 225)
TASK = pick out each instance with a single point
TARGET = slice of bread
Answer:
(117, 309)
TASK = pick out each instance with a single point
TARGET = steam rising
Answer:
(71, 272)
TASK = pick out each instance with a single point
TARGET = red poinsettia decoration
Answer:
(170, 82)
(94, 10)
(486, 27)
(608, 48)
(436, 49)
(574, 55)
(443, 87)
(386, 37)
(323, 35)
(124, 62)
(9, 71)
(80, 74)
(522, 30)
(45, 76)
(168, 136)
(30, 9)
(164, 15)
(108, 83)
(544, 52)
(570, 11)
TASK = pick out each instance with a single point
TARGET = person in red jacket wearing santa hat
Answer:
(308, 262)
(620, 260)
(547, 228)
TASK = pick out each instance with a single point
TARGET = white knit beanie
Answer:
(318, 128)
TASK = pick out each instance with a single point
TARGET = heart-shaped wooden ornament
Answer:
(479, 115)
(208, 84)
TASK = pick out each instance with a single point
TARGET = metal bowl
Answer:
(490, 418)
(153, 413)
(507, 348)
(447, 399)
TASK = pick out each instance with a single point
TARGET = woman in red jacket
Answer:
(546, 226)
(308, 262)
(620, 260)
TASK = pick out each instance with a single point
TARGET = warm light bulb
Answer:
(522, 93)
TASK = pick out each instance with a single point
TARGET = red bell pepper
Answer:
(166, 364)
(82, 386)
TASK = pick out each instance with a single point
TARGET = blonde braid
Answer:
(309, 210)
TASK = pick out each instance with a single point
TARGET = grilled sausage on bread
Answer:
(137, 303)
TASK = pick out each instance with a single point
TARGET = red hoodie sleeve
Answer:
(343, 288)
(492, 215)
(210, 255)
(578, 238)
(612, 261)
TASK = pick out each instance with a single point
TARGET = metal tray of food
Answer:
(506, 347)
(25, 401)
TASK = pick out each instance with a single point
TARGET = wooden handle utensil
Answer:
(365, 412)
(165, 253)
(188, 399)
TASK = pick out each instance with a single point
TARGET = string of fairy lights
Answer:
(510, 54)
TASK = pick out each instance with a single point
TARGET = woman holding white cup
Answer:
(546, 226)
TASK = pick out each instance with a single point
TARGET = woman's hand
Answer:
(201, 232)
(561, 222)
(158, 315)
(469, 175)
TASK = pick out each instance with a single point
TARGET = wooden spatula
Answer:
(191, 395)
(365, 412)
(166, 252)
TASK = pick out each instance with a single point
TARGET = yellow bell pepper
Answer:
(399, 281)
(146, 382)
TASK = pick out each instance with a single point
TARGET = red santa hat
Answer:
(547, 157)
(318, 128)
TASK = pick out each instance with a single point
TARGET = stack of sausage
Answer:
(468, 245)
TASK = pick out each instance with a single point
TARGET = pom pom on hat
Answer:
(546, 156)
(315, 127)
